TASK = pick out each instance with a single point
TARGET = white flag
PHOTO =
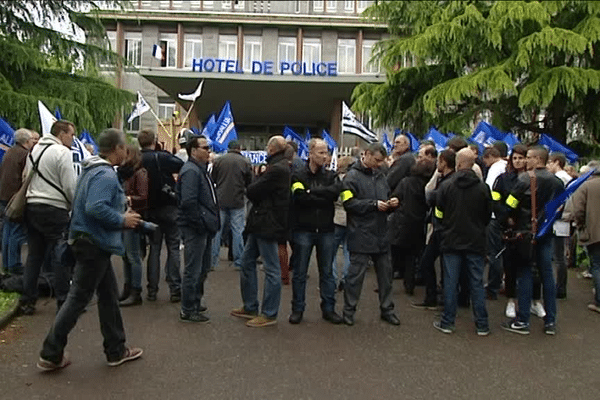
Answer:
(192, 96)
(47, 119)
(140, 107)
(157, 52)
(350, 125)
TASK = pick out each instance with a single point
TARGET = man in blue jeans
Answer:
(464, 206)
(266, 225)
(97, 222)
(232, 173)
(314, 191)
(198, 220)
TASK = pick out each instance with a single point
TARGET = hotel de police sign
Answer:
(265, 67)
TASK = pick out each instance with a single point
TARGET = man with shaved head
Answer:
(464, 205)
(314, 191)
(266, 225)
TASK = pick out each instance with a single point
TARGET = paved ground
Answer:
(315, 360)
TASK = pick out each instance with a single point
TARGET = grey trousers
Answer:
(356, 276)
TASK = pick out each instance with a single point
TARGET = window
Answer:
(331, 5)
(177, 4)
(133, 48)
(192, 49)
(196, 4)
(297, 7)
(228, 47)
(165, 4)
(346, 56)
(226, 4)
(239, 4)
(146, 4)
(349, 5)
(367, 53)
(208, 4)
(311, 51)
(286, 49)
(109, 44)
(252, 51)
(362, 5)
(317, 5)
(166, 110)
(168, 44)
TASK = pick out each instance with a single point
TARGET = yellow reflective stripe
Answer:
(439, 214)
(512, 202)
(296, 186)
(346, 195)
(496, 196)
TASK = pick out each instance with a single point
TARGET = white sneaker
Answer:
(537, 309)
(511, 311)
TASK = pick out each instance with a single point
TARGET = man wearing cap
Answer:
(232, 173)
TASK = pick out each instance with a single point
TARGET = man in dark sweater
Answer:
(464, 204)
(232, 173)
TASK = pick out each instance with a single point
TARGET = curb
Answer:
(9, 315)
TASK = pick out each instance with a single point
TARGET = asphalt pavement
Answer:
(224, 359)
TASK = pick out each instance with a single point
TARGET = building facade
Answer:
(278, 62)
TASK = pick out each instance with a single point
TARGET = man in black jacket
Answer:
(198, 220)
(403, 161)
(366, 200)
(266, 225)
(464, 204)
(162, 210)
(548, 186)
(314, 191)
(232, 173)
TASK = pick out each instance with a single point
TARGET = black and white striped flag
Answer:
(350, 125)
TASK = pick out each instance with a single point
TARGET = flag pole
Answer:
(160, 122)
(188, 113)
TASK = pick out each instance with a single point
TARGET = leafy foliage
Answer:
(39, 63)
(516, 59)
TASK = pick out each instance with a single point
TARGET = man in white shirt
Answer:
(496, 167)
(556, 164)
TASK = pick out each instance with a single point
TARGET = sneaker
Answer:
(193, 317)
(47, 366)
(511, 311)
(550, 329)
(516, 327)
(445, 329)
(242, 313)
(537, 309)
(594, 307)
(131, 354)
(483, 331)
(261, 321)
(586, 275)
(424, 306)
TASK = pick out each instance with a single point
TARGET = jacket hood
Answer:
(361, 167)
(466, 178)
(93, 161)
(49, 139)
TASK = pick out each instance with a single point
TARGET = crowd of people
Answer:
(398, 213)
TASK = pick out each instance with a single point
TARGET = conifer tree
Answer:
(515, 59)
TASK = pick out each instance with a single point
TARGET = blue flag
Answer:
(86, 138)
(289, 134)
(486, 134)
(552, 145)
(331, 143)
(225, 129)
(57, 113)
(437, 138)
(307, 135)
(209, 127)
(7, 137)
(386, 143)
(553, 209)
(511, 140)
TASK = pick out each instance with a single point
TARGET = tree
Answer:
(39, 63)
(515, 59)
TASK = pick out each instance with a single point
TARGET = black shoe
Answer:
(332, 317)
(151, 297)
(195, 317)
(26, 309)
(348, 320)
(175, 298)
(295, 317)
(134, 299)
(516, 327)
(561, 296)
(390, 319)
(550, 329)
(425, 306)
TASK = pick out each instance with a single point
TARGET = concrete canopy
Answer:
(261, 99)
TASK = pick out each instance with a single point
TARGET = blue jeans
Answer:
(594, 252)
(93, 273)
(256, 246)
(303, 245)
(543, 253)
(166, 218)
(495, 245)
(196, 256)
(474, 263)
(340, 237)
(13, 237)
(133, 258)
(236, 218)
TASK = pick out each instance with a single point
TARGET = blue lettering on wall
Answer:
(264, 67)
